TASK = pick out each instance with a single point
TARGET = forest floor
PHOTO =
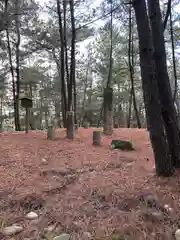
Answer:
(86, 191)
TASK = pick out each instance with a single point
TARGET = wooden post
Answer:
(70, 125)
(96, 138)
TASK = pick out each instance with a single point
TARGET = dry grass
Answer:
(83, 188)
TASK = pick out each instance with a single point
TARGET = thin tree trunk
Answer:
(84, 96)
(12, 74)
(13, 79)
(62, 90)
(65, 42)
(131, 69)
(167, 14)
(31, 114)
(160, 147)
(168, 108)
(108, 91)
(1, 114)
(57, 113)
(63, 85)
(17, 20)
(173, 58)
(75, 101)
(130, 110)
(72, 66)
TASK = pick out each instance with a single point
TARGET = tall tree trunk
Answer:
(173, 58)
(108, 91)
(12, 75)
(1, 114)
(63, 108)
(71, 117)
(63, 85)
(17, 20)
(65, 42)
(13, 80)
(168, 108)
(131, 68)
(160, 147)
(31, 114)
(72, 65)
(57, 113)
(84, 95)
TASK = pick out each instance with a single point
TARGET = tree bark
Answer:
(62, 90)
(163, 161)
(63, 85)
(173, 58)
(168, 108)
(108, 111)
(17, 20)
(65, 42)
(108, 91)
(72, 65)
(131, 71)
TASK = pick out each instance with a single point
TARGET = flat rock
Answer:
(86, 236)
(44, 161)
(32, 216)
(63, 236)
(177, 234)
(50, 228)
(12, 230)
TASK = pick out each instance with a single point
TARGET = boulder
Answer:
(122, 145)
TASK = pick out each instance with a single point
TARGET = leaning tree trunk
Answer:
(160, 147)
(168, 108)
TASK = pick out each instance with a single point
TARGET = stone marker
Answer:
(50, 133)
(96, 138)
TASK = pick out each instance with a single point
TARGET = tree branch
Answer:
(167, 13)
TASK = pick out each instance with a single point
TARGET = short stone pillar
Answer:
(96, 138)
(86, 125)
(70, 125)
(50, 132)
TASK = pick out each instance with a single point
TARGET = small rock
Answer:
(12, 230)
(86, 236)
(158, 215)
(44, 161)
(32, 216)
(63, 236)
(49, 228)
(177, 234)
